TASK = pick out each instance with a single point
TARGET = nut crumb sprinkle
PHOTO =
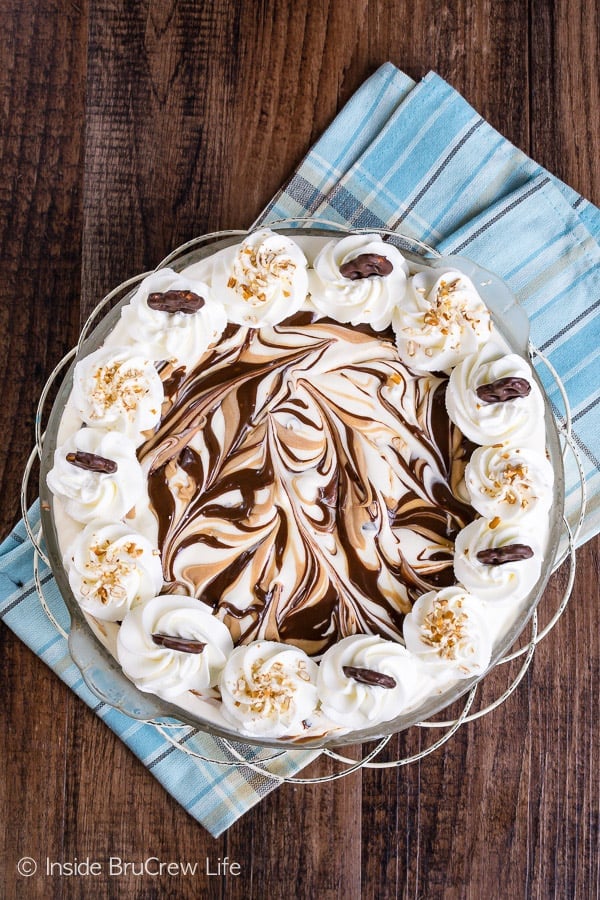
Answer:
(512, 485)
(270, 690)
(254, 272)
(445, 628)
(448, 311)
(114, 385)
(111, 570)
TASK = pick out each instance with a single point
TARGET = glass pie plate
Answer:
(100, 669)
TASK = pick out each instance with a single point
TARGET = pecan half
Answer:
(369, 676)
(365, 265)
(497, 556)
(184, 645)
(176, 301)
(503, 389)
(92, 462)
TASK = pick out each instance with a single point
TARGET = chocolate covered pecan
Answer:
(503, 389)
(92, 462)
(184, 645)
(176, 301)
(497, 556)
(369, 676)
(365, 265)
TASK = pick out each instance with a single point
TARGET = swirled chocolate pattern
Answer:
(303, 482)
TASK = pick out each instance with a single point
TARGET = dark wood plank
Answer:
(565, 91)
(433, 844)
(167, 157)
(41, 157)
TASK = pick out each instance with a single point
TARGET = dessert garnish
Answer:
(183, 645)
(497, 556)
(444, 626)
(369, 676)
(175, 301)
(503, 389)
(92, 462)
(306, 474)
(365, 265)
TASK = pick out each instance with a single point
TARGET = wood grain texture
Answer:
(129, 127)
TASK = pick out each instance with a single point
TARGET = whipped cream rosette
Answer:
(290, 458)
(357, 279)
(509, 482)
(120, 390)
(97, 476)
(493, 398)
(261, 281)
(364, 680)
(112, 568)
(499, 561)
(174, 316)
(268, 689)
(440, 320)
(173, 644)
(448, 628)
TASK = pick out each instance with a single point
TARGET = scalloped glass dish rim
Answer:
(102, 673)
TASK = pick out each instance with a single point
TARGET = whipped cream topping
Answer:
(449, 628)
(364, 680)
(303, 486)
(119, 390)
(519, 420)
(358, 296)
(269, 689)
(180, 337)
(441, 320)
(191, 661)
(88, 494)
(509, 482)
(508, 580)
(111, 568)
(314, 501)
(261, 281)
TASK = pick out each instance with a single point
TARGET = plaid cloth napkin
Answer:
(418, 159)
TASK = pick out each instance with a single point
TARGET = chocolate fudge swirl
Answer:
(302, 480)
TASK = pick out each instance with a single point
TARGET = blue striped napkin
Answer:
(215, 794)
(418, 159)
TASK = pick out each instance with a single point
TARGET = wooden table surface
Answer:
(127, 128)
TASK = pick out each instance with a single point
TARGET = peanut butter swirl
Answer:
(303, 483)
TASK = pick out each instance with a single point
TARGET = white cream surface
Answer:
(87, 494)
(179, 337)
(263, 280)
(370, 299)
(440, 321)
(164, 670)
(506, 582)
(118, 390)
(268, 689)
(449, 628)
(112, 568)
(519, 420)
(511, 482)
(356, 703)
(319, 704)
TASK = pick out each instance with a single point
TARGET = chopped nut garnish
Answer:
(115, 385)
(253, 272)
(269, 689)
(444, 628)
